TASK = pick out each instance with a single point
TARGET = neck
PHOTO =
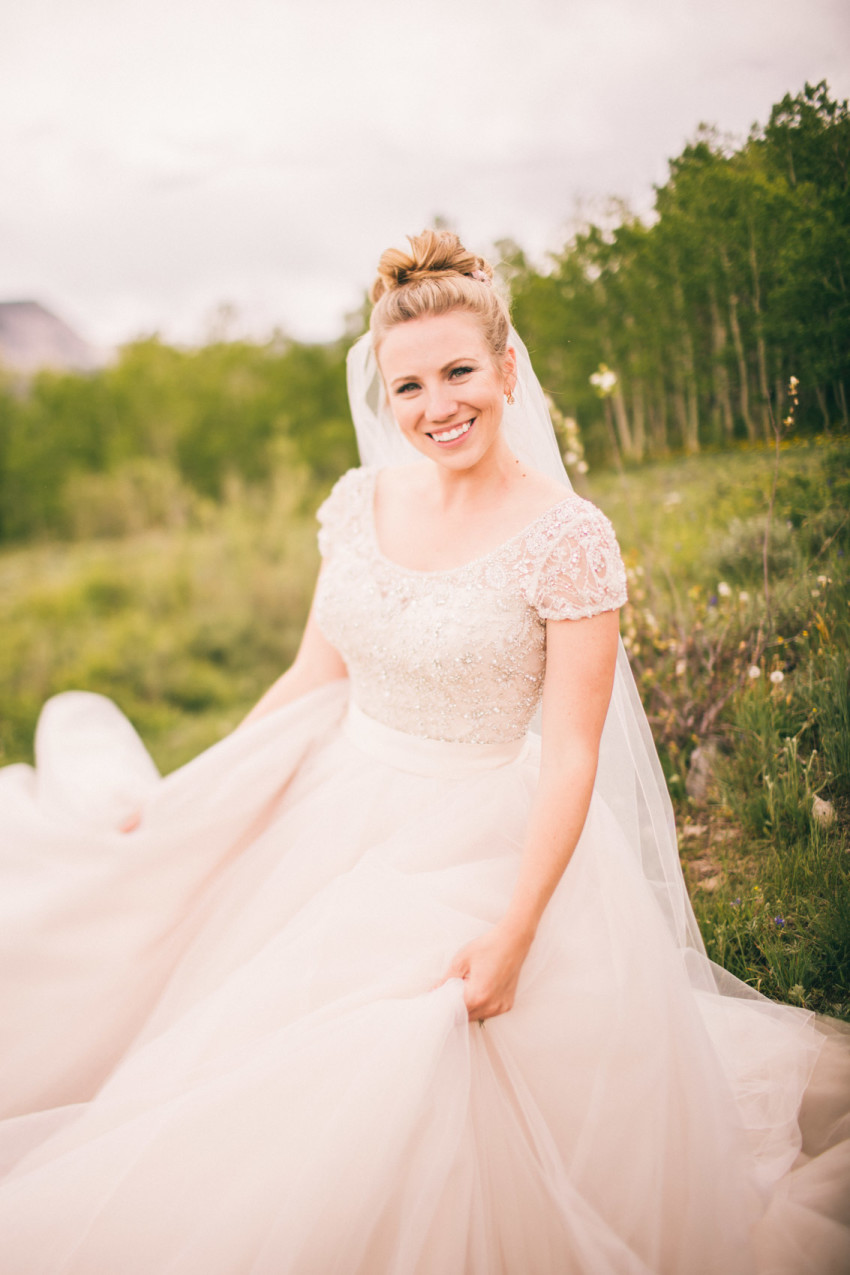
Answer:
(497, 469)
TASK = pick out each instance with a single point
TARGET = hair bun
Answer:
(433, 253)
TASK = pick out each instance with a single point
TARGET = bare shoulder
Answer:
(535, 493)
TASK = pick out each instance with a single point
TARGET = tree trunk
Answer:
(720, 372)
(658, 422)
(761, 354)
(639, 417)
(842, 402)
(612, 433)
(690, 399)
(743, 375)
(821, 398)
(679, 407)
(619, 406)
(627, 441)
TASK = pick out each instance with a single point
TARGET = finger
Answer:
(452, 972)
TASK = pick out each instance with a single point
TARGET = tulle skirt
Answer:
(228, 1046)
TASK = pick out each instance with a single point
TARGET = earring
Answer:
(509, 398)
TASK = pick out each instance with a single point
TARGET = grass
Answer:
(185, 627)
(760, 685)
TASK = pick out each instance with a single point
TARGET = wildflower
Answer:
(823, 581)
(779, 922)
(736, 903)
(581, 467)
(712, 601)
(777, 676)
(823, 812)
(743, 596)
(753, 672)
(604, 380)
(724, 590)
(570, 458)
(681, 668)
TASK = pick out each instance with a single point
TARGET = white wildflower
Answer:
(681, 668)
(570, 458)
(724, 590)
(777, 676)
(582, 467)
(823, 581)
(604, 379)
(753, 672)
(823, 812)
(743, 596)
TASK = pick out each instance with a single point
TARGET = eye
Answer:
(406, 387)
(463, 370)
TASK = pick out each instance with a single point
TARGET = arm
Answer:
(580, 661)
(316, 663)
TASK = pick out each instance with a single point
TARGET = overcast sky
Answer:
(159, 159)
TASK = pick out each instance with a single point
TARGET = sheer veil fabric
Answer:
(226, 1042)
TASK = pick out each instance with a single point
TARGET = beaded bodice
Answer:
(458, 654)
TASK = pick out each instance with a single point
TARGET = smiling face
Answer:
(445, 388)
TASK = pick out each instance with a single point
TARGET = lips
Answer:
(453, 433)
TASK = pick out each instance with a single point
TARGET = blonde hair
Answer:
(436, 276)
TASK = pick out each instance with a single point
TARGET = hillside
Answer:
(32, 338)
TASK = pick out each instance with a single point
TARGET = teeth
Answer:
(451, 434)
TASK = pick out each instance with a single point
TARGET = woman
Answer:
(384, 982)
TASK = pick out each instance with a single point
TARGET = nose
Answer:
(440, 406)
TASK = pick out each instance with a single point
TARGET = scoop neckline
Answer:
(444, 571)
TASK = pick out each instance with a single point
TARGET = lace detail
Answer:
(332, 515)
(458, 654)
(583, 574)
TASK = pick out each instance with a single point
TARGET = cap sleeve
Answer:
(581, 571)
(335, 513)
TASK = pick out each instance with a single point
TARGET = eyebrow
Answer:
(451, 363)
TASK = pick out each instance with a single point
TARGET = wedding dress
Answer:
(224, 1050)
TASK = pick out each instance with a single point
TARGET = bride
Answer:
(391, 980)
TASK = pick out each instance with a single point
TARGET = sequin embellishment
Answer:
(459, 654)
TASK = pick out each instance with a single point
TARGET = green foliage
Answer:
(740, 282)
(151, 440)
